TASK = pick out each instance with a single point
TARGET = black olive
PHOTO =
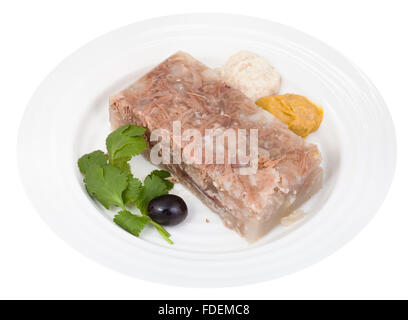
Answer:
(168, 210)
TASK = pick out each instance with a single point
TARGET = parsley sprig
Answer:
(108, 179)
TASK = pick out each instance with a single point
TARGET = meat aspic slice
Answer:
(185, 90)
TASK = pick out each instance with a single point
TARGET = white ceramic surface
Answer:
(68, 116)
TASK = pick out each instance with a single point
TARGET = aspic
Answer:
(241, 96)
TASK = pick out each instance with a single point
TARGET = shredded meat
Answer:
(183, 89)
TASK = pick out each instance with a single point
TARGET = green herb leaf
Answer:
(97, 158)
(163, 232)
(134, 224)
(106, 184)
(163, 174)
(109, 180)
(124, 143)
(132, 192)
(135, 188)
(153, 187)
(130, 222)
(123, 165)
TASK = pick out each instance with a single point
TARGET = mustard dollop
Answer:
(300, 114)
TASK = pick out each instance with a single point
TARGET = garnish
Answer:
(163, 174)
(124, 143)
(94, 158)
(132, 191)
(153, 187)
(106, 184)
(108, 179)
(168, 210)
(134, 224)
(131, 222)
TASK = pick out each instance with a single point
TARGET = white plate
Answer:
(68, 116)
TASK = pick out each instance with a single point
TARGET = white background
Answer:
(36, 35)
